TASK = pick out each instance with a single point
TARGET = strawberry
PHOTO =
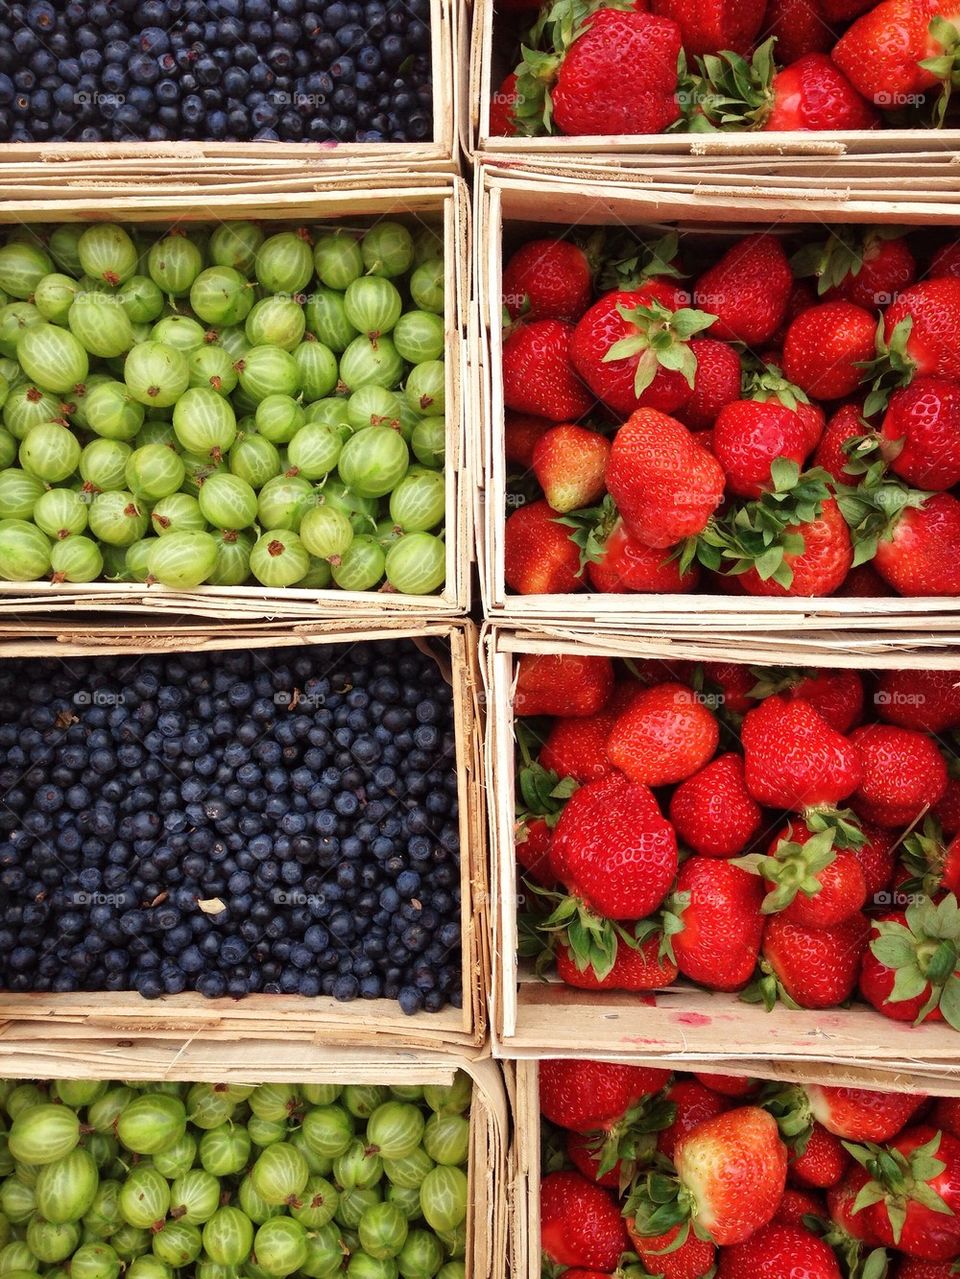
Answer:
(851, 1226)
(947, 809)
(809, 880)
(586, 1096)
(748, 290)
(858, 1114)
(933, 308)
(749, 436)
(910, 970)
(577, 748)
(918, 557)
(768, 383)
(877, 858)
(920, 434)
(665, 485)
(693, 1103)
(822, 1161)
(913, 1268)
(521, 432)
(569, 463)
(613, 849)
(779, 1250)
(799, 28)
(632, 348)
(580, 1223)
(820, 568)
(902, 774)
(662, 1255)
(924, 700)
(793, 758)
(846, 424)
(946, 1115)
(866, 267)
(532, 841)
(813, 967)
(882, 52)
(713, 812)
(931, 860)
(797, 1204)
(837, 695)
(707, 26)
(503, 105)
(731, 1173)
(624, 564)
(718, 905)
(538, 377)
(912, 1200)
(946, 261)
(547, 280)
(716, 382)
(735, 683)
(582, 1152)
(564, 684)
(634, 968)
(863, 582)
(539, 556)
(665, 735)
(825, 347)
(728, 1085)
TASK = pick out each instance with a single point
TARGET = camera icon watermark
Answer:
(896, 698)
(297, 698)
(886, 99)
(98, 697)
(83, 98)
(296, 897)
(82, 898)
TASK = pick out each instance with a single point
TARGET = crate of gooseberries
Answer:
(261, 830)
(376, 1167)
(714, 844)
(252, 408)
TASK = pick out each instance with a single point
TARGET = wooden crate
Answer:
(524, 1197)
(531, 1017)
(491, 59)
(438, 154)
(29, 1053)
(437, 202)
(367, 1023)
(511, 206)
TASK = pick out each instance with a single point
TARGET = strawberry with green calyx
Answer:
(891, 367)
(868, 266)
(538, 556)
(616, 562)
(667, 1256)
(541, 791)
(661, 340)
(580, 1223)
(808, 967)
(810, 874)
(874, 508)
(931, 860)
(713, 926)
(911, 971)
(551, 279)
(837, 695)
(766, 382)
(848, 446)
(640, 963)
(630, 263)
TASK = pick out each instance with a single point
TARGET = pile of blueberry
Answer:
(230, 70)
(279, 821)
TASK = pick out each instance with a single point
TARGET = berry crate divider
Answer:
(440, 202)
(524, 1192)
(28, 1052)
(321, 1020)
(531, 203)
(535, 1018)
(439, 154)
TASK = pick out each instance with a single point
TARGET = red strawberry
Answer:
(946, 261)
(694, 1103)
(748, 436)
(538, 377)
(665, 485)
(822, 1162)
(713, 811)
(867, 267)
(539, 556)
(625, 564)
(816, 967)
(812, 93)
(924, 700)
(547, 280)
(861, 1114)
(707, 26)
(728, 1085)
(613, 850)
(719, 907)
(920, 556)
(735, 683)
(913, 1268)
(580, 1223)
(841, 1201)
(564, 684)
(797, 1204)
(825, 346)
(635, 969)
(586, 1096)
(906, 947)
(799, 28)
(920, 435)
(780, 1250)
(933, 306)
(809, 880)
(919, 1211)
(532, 842)
(503, 104)
(902, 774)
(748, 290)
(845, 424)
(582, 1152)
(665, 735)
(863, 582)
(577, 748)
(569, 463)
(617, 344)
(877, 859)
(521, 432)
(715, 383)
(837, 695)
(881, 53)
(662, 1256)
(731, 1173)
(947, 810)
(618, 76)
(794, 759)
(946, 1115)
(820, 568)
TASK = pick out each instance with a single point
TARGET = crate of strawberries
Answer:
(647, 1171)
(704, 846)
(687, 418)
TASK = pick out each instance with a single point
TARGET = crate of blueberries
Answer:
(348, 81)
(248, 408)
(250, 832)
